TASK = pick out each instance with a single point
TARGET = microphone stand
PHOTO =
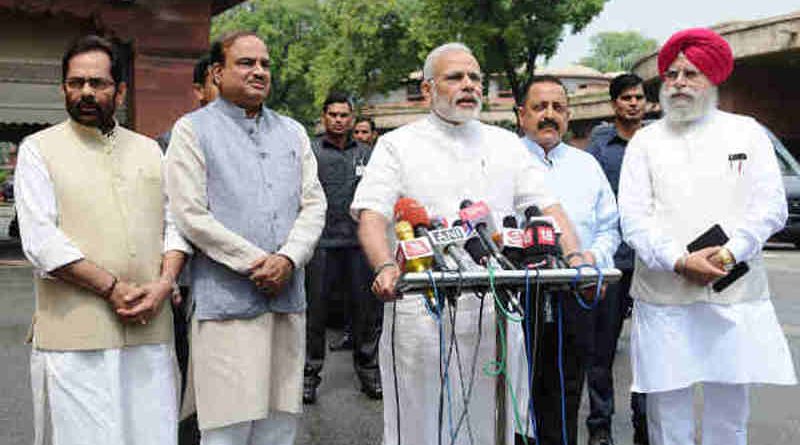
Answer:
(555, 279)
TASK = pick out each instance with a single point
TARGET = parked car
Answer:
(790, 170)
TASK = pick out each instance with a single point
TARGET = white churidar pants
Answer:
(123, 396)
(726, 408)
(279, 428)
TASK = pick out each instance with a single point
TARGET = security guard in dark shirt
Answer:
(339, 258)
(607, 145)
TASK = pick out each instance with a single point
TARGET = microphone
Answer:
(479, 217)
(409, 209)
(450, 241)
(477, 250)
(414, 254)
(512, 241)
(541, 250)
(541, 247)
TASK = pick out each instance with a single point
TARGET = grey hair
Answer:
(427, 70)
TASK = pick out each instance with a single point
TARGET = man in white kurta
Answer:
(441, 160)
(92, 215)
(681, 175)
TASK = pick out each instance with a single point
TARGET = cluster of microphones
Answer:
(473, 242)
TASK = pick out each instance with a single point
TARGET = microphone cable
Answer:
(598, 286)
(529, 342)
(584, 305)
(394, 370)
(496, 367)
(471, 384)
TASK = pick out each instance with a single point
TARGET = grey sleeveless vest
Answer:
(254, 186)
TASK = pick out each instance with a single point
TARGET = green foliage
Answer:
(508, 36)
(363, 47)
(618, 51)
(359, 47)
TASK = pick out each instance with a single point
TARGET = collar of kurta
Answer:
(92, 136)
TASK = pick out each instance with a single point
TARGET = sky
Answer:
(660, 19)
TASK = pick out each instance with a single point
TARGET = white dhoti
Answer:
(418, 349)
(245, 370)
(675, 346)
(123, 396)
(723, 347)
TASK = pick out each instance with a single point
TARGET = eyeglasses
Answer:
(688, 74)
(95, 83)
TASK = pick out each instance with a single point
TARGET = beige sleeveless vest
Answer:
(110, 205)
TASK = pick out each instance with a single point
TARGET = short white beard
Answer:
(450, 112)
(699, 106)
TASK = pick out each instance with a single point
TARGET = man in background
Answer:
(607, 145)
(339, 258)
(364, 130)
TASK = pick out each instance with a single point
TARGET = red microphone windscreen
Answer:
(409, 209)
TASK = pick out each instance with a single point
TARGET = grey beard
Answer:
(451, 113)
(701, 105)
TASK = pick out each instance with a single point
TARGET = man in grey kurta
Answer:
(246, 194)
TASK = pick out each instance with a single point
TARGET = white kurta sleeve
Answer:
(173, 240)
(766, 203)
(44, 244)
(188, 202)
(303, 237)
(640, 229)
(381, 185)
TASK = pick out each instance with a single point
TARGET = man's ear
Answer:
(216, 73)
(119, 96)
(197, 91)
(426, 87)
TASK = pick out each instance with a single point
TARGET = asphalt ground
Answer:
(345, 416)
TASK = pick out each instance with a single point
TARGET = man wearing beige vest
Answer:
(92, 218)
(697, 168)
(244, 190)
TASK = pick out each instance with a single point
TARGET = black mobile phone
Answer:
(716, 236)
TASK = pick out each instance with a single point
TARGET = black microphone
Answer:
(512, 242)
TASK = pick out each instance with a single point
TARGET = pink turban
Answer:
(707, 50)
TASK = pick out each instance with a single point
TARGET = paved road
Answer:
(344, 416)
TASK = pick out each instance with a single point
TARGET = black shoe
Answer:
(373, 390)
(601, 437)
(309, 394)
(344, 343)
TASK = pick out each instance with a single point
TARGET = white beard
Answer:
(450, 112)
(682, 110)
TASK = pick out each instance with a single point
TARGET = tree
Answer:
(360, 47)
(508, 36)
(618, 51)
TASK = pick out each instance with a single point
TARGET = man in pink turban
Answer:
(698, 169)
